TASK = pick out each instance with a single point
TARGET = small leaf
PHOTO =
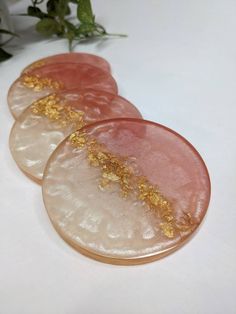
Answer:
(86, 29)
(52, 7)
(85, 12)
(48, 27)
(100, 29)
(4, 55)
(62, 8)
(35, 12)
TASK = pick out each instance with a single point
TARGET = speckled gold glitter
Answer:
(115, 170)
(56, 110)
(37, 83)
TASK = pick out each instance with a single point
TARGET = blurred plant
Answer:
(4, 55)
(55, 20)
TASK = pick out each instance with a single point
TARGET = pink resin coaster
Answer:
(126, 191)
(74, 57)
(44, 124)
(50, 78)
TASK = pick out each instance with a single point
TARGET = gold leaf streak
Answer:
(55, 110)
(114, 170)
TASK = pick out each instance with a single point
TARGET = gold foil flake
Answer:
(151, 195)
(156, 201)
(110, 176)
(37, 83)
(168, 229)
(54, 109)
(104, 183)
(115, 170)
(78, 139)
(93, 160)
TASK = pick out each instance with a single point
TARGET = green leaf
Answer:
(52, 7)
(54, 21)
(4, 55)
(48, 27)
(100, 29)
(86, 29)
(62, 8)
(35, 12)
(85, 12)
(58, 8)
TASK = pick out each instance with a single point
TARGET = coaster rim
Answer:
(27, 68)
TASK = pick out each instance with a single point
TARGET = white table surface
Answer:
(178, 67)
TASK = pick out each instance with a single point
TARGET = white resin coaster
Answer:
(42, 126)
(126, 191)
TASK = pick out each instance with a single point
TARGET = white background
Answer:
(178, 66)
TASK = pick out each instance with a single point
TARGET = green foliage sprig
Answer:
(55, 20)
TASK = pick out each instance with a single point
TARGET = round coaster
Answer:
(50, 78)
(126, 191)
(74, 57)
(44, 124)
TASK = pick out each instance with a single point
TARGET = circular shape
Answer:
(42, 126)
(47, 79)
(74, 57)
(126, 191)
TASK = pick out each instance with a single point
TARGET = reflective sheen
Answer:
(42, 126)
(99, 220)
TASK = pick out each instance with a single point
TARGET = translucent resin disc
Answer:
(43, 125)
(126, 191)
(75, 57)
(49, 78)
